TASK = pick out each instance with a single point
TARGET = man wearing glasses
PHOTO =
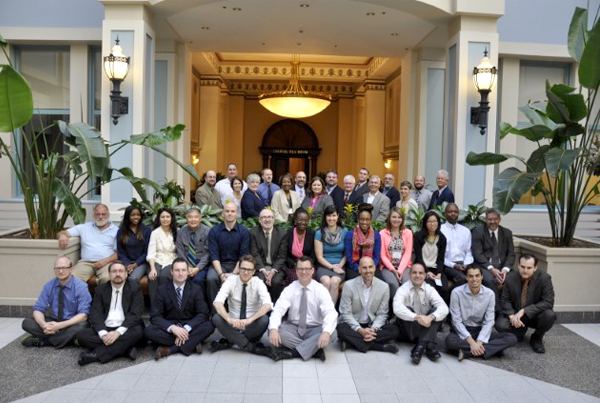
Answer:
(61, 310)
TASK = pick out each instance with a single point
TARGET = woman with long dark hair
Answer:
(133, 238)
(300, 242)
(430, 248)
(161, 249)
(329, 251)
(362, 241)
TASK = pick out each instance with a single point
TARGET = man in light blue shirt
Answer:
(98, 240)
(267, 187)
(61, 310)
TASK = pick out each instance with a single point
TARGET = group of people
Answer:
(395, 285)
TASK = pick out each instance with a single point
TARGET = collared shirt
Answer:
(175, 286)
(96, 244)
(320, 307)
(473, 310)
(134, 251)
(161, 247)
(184, 239)
(224, 187)
(77, 298)
(429, 297)
(364, 316)
(301, 192)
(257, 295)
(422, 197)
(495, 232)
(371, 197)
(458, 244)
(228, 245)
(263, 192)
(115, 316)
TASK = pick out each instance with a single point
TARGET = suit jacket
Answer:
(165, 311)
(481, 246)
(251, 205)
(437, 199)
(258, 247)
(280, 206)
(381, 206)
(337, 194)
(319, 207)
(308, 250)
(540, 294)
(132, 300)
(419, 240)
(363, 189)
(393, 194)
(353, 302)
(355, 199)
(207, 194)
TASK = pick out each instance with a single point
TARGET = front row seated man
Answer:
(527, 301)
(364, 311)
(61, 309)
(420, 310)
(248, 302)
(179, 319)
(311, 317)
(116, 319)
(472, 309)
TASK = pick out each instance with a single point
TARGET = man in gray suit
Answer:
(421, 194)
(268, 246)
(207, 194)
(364, 312)
(380, 202)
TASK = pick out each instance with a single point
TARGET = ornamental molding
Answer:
(211, 81)
(252, 90)
(373, 85)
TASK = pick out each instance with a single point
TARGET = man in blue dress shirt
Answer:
(267, 187)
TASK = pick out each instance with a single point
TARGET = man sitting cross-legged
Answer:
(116, 319)
(179, 320)
(61, 309)
(364, 311)
(311, 317)
(248, 302)
(420, 311)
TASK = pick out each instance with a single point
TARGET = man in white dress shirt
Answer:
(248, 301)
(458, 246)
(300, 186)
(224, 185)
(311, 317)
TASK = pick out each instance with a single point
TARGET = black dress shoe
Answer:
(87, 358)
(222, 344)
(342, 345)
(281, 353)
(31, 341)
(416, 354)
(432, 354)
(391, 348)
(537, 345)
(131, 353)
(320, 354)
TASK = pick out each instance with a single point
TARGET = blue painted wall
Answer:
(52, 13)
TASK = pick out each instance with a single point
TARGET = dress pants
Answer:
(412, 332)
(277, 283)
(88, 338)
(198, 334)
(542, 322)
(84, 270)
(163, 276)
(139, 272)
(456, 276)
(213, 282)
(251, 334)
(386, 334)
(306, 345)
(60, 338)
(497, 342)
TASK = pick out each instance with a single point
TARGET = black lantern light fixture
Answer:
(116, 67)
(484, 78)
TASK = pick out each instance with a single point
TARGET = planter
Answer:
(25, 266)
(576, 277)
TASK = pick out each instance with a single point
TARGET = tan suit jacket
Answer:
(207, 194)
(280, 207)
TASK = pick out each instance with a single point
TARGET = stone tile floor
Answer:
(232, 376)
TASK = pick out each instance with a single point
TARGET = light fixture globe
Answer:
(116, 65)
(484, 75)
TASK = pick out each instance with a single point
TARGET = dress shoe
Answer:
(391, 348)
(432, 354)
(162, 352)
(281, 354)
(342, 345)
(87, 358)
(260, 349)
(199, 348)
(222, 344)
(537, 345)
(320, 354)
(131, 353)
(31, 341)
(416, 354)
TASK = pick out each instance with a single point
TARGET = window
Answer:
(94, 97)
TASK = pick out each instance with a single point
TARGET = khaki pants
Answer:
(84, 270)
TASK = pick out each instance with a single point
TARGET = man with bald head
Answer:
(207, 194)
(421, 195)
(364, 311)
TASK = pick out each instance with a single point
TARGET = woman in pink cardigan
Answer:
(396, 250)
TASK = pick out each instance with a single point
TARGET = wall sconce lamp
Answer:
(387, 164)
(116, 67)
(484, 78)
(195, 159)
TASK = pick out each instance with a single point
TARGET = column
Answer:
(374, 127)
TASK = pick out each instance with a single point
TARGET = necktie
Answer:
(524, 294)
(61, 304)
(244, 301)
(302, 313)
(191, 253)
(417, 305)
(346, 198)
(116, 298)
(269, 248)
(418, 197)
(179, 297)
(269, 193)
(495, 253)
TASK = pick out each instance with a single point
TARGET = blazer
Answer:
(207, 194)
(393, 194)
(419, 241)
(386, 258)
(251, 205)
(165, 312)
(258, 247)
(308, 250)
(132, 300)
(337, 195)
(540, 294)
(437, 199)
(481, 247)
(353, 302)
(363, 189)
(355, 199)
(280, 206)
(381, 206)
(319, 207)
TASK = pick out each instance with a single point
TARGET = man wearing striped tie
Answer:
(192, 245)
(179, 319)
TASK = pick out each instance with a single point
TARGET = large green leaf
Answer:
(536, 160)
(490, 158)
(537, 116)
(510, 185)
(576, 106)
(589, 66)
(71, 202)
(16, 100)
(556, 108)
(138, 183)
(578, 33)
(162, 136)
(3, 42)
(189, 169)
(90, 145)
(560, 159)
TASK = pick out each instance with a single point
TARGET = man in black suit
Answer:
(336, 192)
(179, 320)
(116, 319)
(390, 190)
(362, 186)
(492, 247)
(444, 193)
(268, 246)
(527, 301)
(350, 196)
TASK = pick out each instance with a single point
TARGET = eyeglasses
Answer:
(303, 269)
(246, 270)
(62, 268)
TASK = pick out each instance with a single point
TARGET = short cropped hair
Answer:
(116, 262)
(474, 267)
(247, 258)
(528, 256)
(303, 259)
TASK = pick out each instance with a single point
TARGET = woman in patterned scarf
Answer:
(362, 241)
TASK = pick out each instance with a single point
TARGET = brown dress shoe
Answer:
(162, 352)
